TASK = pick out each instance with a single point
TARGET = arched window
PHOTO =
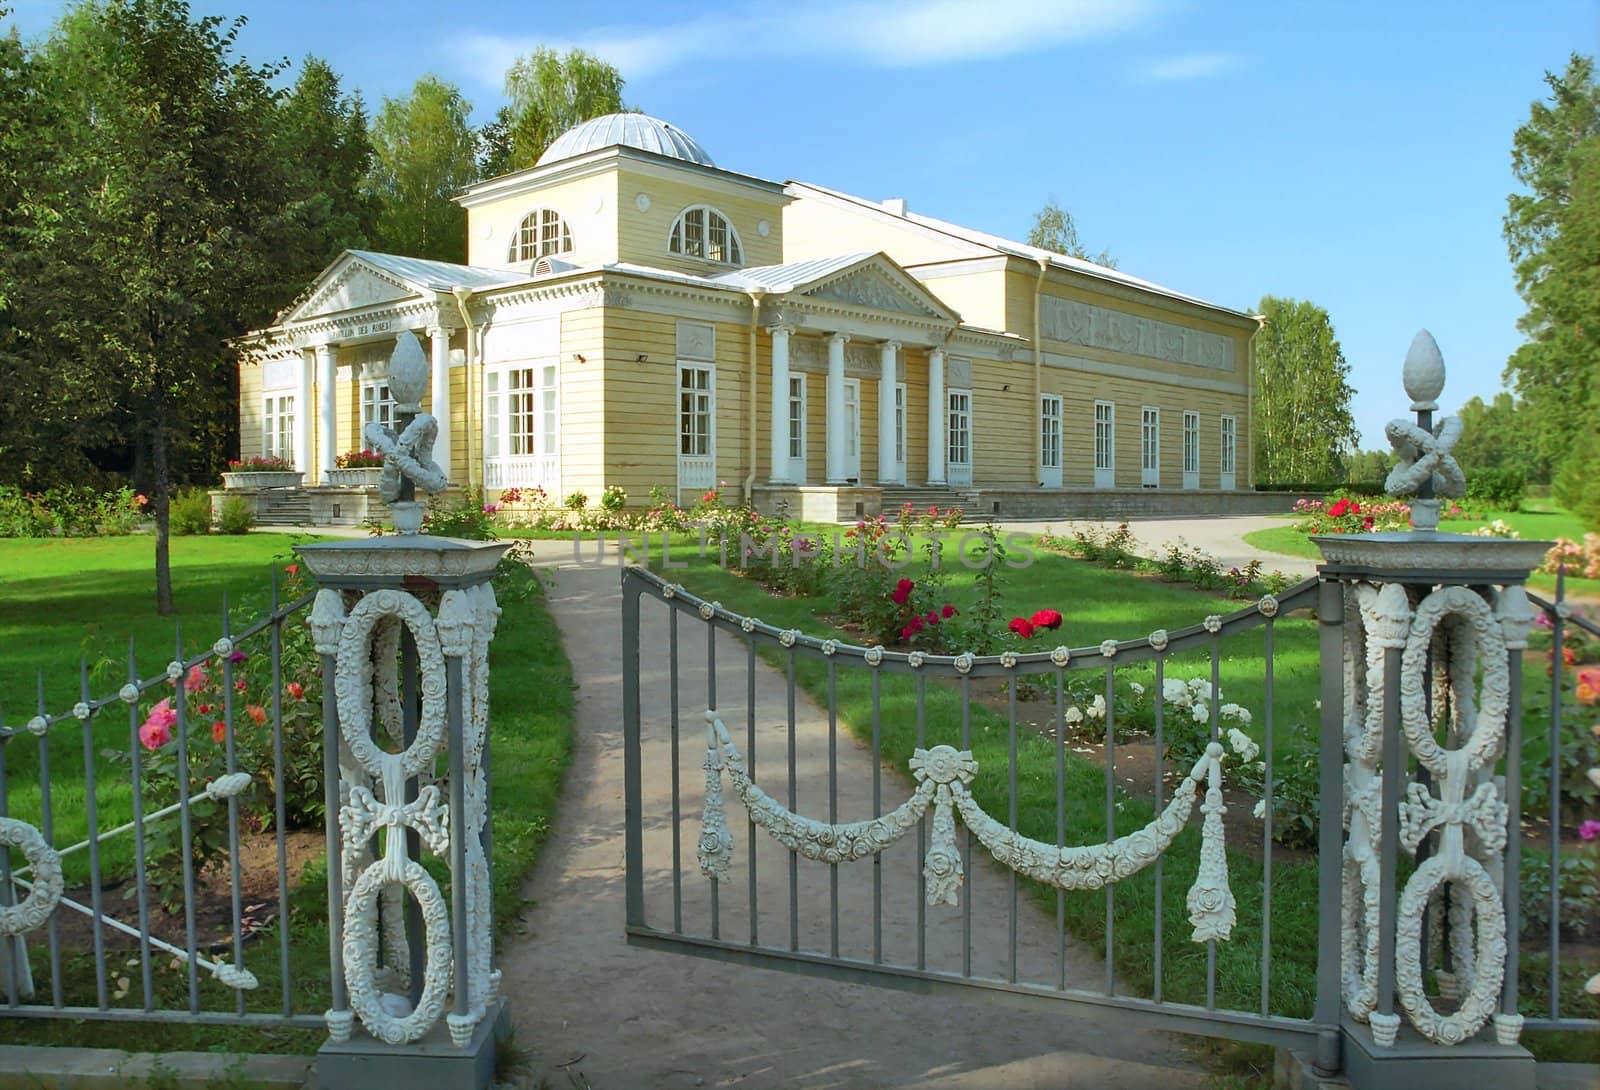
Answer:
(542, 232)
(704, 232)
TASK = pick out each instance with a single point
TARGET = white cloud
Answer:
(1185, 67)
(902, 34)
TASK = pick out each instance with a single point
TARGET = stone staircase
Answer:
(924, 497)
(284, 507)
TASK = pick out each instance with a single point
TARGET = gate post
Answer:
(402, 625)
(1420, 739)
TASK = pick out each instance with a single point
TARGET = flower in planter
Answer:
(359, 459)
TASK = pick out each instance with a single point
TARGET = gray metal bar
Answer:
(47, 829)
(794, 857)
(15, 950)
(1330, 827)
(1061, 823)
(1266, 831)
(1161, 770)
(1011, 727)
(275, 642)
(633, 779)
(1511, 886)
(91, 814)
(1557, 634)
(711, 702)
(877, 811)
(966, 837)
(750, 766)
(677, 806)
(231, 757)
(922, 833)
(168, 1016)
(339, 999)
(1388, 837)
(1111, 824)
(141, 889)
(833, 804)
(455, 679)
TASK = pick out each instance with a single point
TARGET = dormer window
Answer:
(543, 232)
(705, 232)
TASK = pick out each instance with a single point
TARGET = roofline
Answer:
(1086, 269)
(593, 162)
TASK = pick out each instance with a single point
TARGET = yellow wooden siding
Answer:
(817, 228)
(250, 417)
(587, 205)
(1003, 424)
(582, 401)
(642, 236)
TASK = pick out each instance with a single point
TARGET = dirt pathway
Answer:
(608, 1016)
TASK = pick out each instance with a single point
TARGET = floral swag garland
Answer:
(943, 774)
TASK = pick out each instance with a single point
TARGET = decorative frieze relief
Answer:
(868, 288)
(860, 360)
(1102, 327)
(697, 341)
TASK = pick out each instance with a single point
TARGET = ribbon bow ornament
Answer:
(364, 815)
(1483, 812)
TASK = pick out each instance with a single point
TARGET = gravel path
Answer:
(606, 1015)
(1220, 535)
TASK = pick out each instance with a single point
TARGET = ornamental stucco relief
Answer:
(1102, 327)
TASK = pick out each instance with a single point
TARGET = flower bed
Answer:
(70, 512)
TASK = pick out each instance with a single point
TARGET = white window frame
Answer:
(900, 428)
(958, 471)
(694, 229)
(1191, 449)
(696, 470)
(522, 457)
(542, 233)
(377, 404)
(852, 430)
(1105, 445)
(1050, 440)
(797, 427)
(1228, 457)
(1149, 446)
(279, 418)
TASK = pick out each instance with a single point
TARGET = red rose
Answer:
(911, 629)
(295, 690)
(1355, 508)
(1338, 509)
(219, 731)
(1367, 523)
(933, 616)
(1046, 618)
(902, 592)
(1021, 627)
(947, 612)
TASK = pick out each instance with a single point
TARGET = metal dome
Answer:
(629, 130)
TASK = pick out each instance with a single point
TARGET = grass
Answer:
(1101, 604)
(1537, 520)
(531, 741)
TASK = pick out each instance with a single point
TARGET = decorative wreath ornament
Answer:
(34, 909)
(353, 682)
(361, 951)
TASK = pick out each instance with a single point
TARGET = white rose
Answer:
(1199, 713)
(1260, 811)
(1073, 715)
(1097, 710)
(1138, 690)
(1174, 691)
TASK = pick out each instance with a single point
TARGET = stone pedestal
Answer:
(433, 1063)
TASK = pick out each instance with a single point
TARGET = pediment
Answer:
(355, 286)
(877, 285)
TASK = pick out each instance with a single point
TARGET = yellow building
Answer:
(633, 315)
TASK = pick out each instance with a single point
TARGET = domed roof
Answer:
(629, 130)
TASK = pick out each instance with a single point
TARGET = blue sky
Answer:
(1354, 154)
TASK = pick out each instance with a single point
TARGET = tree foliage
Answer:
(424, 152)
(1552, 231)
(1055, 230)
(1304, 430)
(1497, 434)
(549, 93)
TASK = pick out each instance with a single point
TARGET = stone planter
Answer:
(366, 477)
(278, 478)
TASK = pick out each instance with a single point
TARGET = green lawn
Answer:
(1101, 604)
(107, 583)
(1537, 520)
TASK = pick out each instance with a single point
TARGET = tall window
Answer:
(277, 427)
(1105, 424)
(1149, 446)
(960, 446)
(704, 232)
(694, 411)
(1050, 432)
(522, 422)
(1227, 444)
(900, 423)
(377, 405)
(797, 418)
(1191, 442)
(542, 232)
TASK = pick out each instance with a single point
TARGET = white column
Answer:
(836, 436)
(938, 416)
(439, 341)
(780, 405)
(888, 466)
(327, 411)
(302, 419)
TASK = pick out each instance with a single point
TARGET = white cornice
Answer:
(614, 159)
(1122, 370)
